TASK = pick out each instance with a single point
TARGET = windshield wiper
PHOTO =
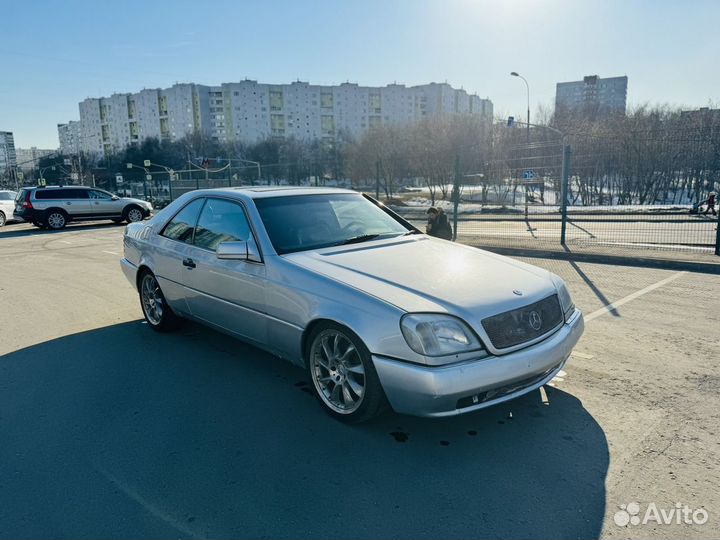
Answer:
(358, 239)
(411, 232)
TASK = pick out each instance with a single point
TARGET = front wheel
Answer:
(343, 375)
(157, 312)
(133, 214)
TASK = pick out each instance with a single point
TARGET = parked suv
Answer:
(55, 206)
(6, 206)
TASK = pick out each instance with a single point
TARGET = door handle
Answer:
(68, 203)
(189, 263)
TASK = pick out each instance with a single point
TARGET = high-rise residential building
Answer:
(28, 158)
(69, 137)
(8, 159)
(247, 111)
(593, 98)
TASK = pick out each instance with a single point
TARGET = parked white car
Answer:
(7, 206)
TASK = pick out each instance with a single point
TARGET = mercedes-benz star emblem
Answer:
(535, 320)
(518, 293)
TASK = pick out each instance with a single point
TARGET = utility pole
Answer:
(377, 180)
(564, 189)
(456, 196)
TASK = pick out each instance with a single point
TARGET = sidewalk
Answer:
(694, 260)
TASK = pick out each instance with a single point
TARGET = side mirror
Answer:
(115, 198)
(235, 251)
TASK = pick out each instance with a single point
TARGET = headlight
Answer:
(566, 302)
(434, 334)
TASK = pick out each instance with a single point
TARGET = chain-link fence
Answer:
(517, 201)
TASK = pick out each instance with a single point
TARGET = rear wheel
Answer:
(56, 219)
(343, 375)
(2, 219)
(157, 312)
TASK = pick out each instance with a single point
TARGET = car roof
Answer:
(261, 192)
(60, 187)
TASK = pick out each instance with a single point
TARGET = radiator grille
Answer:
(523, 324)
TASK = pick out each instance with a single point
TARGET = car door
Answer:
(75, 201)
(172, 250)
(229, 294)
(103, 205)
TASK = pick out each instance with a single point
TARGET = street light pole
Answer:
(527, 87)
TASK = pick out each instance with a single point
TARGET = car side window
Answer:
(182, 226)
(221, 221)
(94, 194)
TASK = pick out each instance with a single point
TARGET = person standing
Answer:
(438, 224)
(710, 204)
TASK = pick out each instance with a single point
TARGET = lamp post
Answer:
(527, 86)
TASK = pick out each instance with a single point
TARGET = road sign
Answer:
(67, 161)
(119, 179)
(511, 121)
(146, 163)
(528, 174)
(148, 177)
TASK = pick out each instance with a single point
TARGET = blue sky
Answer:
(54, 54)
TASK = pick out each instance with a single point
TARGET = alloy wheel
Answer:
(56, 220)
(152, 299)
(337, 371)
(134, 215)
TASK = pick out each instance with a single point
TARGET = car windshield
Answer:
(304, 222)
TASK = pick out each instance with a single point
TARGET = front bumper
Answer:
(475, 384)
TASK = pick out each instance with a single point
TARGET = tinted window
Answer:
(182, 226)
(302, 222)
(221, 221)
(97, 194)
(65, 193)
(22, 195)
(7, 195)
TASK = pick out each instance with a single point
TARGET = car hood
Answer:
(423, 274)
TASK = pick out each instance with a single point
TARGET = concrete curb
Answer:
(619, 260)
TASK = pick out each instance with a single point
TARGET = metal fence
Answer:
(535, 197)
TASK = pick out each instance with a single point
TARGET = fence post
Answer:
(717, 236)
(564, 189)
(377, 180)
(456, 196)
(170, 179)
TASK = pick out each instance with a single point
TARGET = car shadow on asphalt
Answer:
(124, 432)
(15, 232)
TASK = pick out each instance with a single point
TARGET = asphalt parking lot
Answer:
(108, 429)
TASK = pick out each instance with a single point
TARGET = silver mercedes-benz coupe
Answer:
(376, 312)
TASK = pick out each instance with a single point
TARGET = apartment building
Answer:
(69, 137)
(593, 98)
(28, 158)
(8, 158)
(248, 111)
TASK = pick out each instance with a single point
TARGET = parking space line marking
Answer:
(582, 355)
(613, 305)
(110, 252)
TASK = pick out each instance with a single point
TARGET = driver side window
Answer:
(221, 221)
(101, 195)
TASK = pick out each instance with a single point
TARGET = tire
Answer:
(342, 373)
(158, 314)
(56, 219)
(3, 220)
(133, 214)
